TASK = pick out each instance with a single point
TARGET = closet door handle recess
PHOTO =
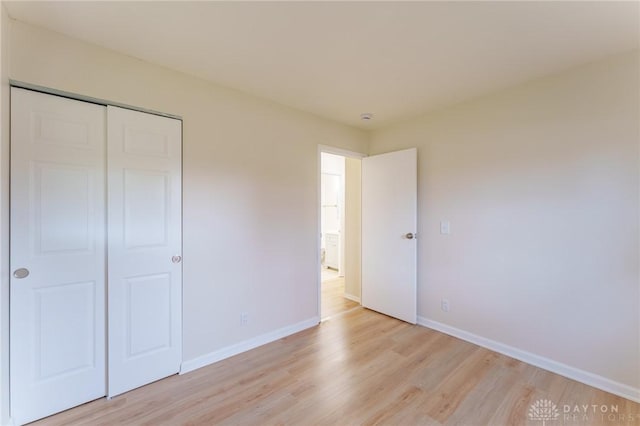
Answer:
(21, 273)
(176, 259)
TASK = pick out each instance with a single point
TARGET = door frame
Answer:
(336, 151)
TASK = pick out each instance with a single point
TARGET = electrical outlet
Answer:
(445, 305)
(244, 318)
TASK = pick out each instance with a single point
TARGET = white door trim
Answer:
(339, 151)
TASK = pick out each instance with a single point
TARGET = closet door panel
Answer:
(144, 222)
(57, 324)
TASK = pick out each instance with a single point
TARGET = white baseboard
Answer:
(582, 376)
(229, 351)
(352, 297)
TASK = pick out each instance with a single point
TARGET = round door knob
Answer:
(409, 236)
(21, 273)
(176, 259)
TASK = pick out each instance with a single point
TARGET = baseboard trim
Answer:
(229, 351)
(573, 373)
(352, 297)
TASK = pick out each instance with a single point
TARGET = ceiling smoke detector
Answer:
(366, 116)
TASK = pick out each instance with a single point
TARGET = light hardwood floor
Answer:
(359, 367)
(333, 301)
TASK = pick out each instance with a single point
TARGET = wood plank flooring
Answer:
(333, 301)
(357, 368)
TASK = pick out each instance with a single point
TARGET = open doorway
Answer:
(340, 211)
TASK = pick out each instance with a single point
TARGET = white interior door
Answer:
(145, 245)
(57, 324)
(389, 212)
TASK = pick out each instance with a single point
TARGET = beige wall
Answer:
(540, 184)
(4, 215)
(353, 203)
(250, 184)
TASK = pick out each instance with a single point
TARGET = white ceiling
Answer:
(339, 59)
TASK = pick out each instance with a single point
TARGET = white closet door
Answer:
(57, 331)
(144, 223)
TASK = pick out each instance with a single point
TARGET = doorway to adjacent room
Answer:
(340, 202)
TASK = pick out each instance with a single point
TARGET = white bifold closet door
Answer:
(95, 252)
(144, 222)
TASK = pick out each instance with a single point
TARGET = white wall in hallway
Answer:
(332, 192)
(352, 233)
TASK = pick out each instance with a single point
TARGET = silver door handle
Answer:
(21, 273)
(176, 259)
(410, 236)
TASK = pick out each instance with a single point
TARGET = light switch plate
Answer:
(445, 227)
